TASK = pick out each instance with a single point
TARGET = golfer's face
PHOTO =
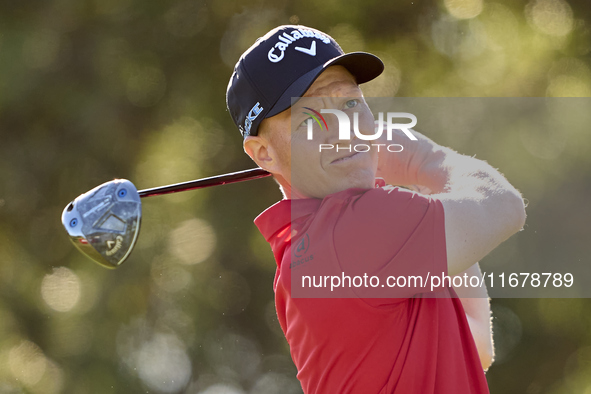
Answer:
(316, 172)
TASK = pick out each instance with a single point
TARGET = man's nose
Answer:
(332, 134)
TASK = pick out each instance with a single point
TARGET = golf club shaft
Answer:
(233, 177)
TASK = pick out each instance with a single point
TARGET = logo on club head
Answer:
(114, 246)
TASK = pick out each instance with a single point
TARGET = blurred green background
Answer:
(99, 89)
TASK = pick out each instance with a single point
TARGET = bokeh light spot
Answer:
(27, 363)
(464, 9)
(61, 289)
(193, 241)
(552, 17)
(163, 363)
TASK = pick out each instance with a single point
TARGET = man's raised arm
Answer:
(482, 209)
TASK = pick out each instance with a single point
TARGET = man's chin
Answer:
(367, 183)
(359, 178)
(354, 181)
(337, 181)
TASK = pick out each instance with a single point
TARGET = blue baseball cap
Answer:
(283, 64)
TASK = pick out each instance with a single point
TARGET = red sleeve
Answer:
(392, 232)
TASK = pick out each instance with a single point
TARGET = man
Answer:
(336, 218)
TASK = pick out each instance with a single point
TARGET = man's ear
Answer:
(259, 150)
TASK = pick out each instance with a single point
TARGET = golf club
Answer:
(104, 223)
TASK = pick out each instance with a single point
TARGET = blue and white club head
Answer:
(104, 223)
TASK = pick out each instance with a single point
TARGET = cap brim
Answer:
(364, 67)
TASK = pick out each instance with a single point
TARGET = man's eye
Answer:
(305, 123)
(351, 103)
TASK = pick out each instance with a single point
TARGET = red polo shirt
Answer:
(364, 341)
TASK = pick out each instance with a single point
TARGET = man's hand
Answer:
(400, 168)
(404, 168)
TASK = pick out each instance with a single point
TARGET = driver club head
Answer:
(104, 223)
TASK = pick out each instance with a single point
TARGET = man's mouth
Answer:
(345, 158)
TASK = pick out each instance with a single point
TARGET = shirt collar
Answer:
(281, 214)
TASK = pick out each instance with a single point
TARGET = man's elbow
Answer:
(485, 345)
(481, 329)
(512, 212)
(518, 211)
(487, 356)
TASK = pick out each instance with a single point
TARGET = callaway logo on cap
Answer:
(283, 64)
